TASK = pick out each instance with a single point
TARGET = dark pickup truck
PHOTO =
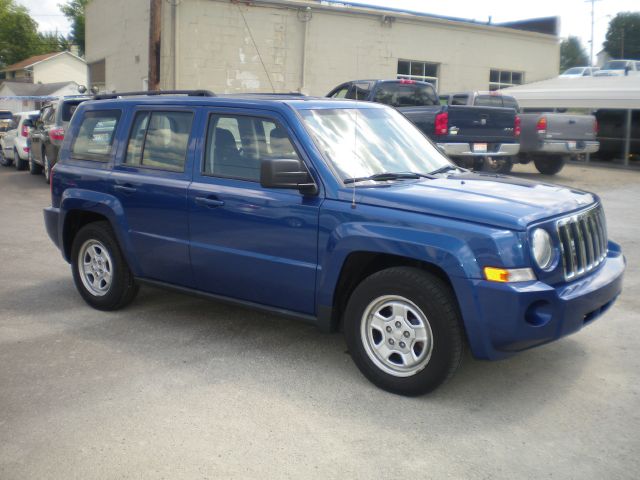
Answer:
(472, 136)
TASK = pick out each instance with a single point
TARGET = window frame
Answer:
(150, 111)
(92, 157)
(421, 78)
(258, 116)
(500, 84)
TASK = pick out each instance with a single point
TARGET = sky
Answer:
(575, 15)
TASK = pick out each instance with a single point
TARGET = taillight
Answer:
(56, 134)
(25, 131)
(516, 129)
(404, 81)
(442, 123)
(541, 126)
(596, 127)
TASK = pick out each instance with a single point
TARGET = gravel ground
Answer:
(178, 387)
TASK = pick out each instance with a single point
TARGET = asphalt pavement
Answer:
(179, 387)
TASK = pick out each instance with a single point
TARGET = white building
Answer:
(48, 68)
(309, 46)
(23, 97)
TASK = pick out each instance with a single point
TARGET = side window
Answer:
(45, 112)
(341, 93)
(236, 146)
(51, 117)
(359, 91)
(95, 137)
(160, 140)
(460, 100)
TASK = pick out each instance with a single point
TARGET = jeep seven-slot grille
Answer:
(583, 241)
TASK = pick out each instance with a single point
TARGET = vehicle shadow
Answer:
(219, 344)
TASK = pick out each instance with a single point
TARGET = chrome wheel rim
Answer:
(396, 335)
(95, 267)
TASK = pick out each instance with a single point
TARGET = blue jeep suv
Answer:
(339, 213)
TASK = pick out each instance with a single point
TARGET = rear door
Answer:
(38, 134)
(248, 242)
(150, 180)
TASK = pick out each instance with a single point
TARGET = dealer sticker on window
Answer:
(480, 147)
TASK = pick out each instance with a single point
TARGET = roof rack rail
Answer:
(189, 93)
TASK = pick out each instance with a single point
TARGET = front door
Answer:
(248, 242)
(151, 183)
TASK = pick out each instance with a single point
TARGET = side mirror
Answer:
(287, 173)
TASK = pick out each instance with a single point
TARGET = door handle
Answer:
(209, 202)
(124, 188)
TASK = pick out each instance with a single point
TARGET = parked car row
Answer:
(613, 68)
(482, 130)
(32, 139)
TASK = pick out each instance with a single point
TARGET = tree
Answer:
(572, 54)
(623, 36)
(19, 38)
(74, 11)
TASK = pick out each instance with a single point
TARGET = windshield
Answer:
(363, 142)
(615, 65)
(5, 115)
(574, 71)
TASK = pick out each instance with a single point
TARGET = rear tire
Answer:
(34, 168)
(403, 330)
(46, 167)
(19, 163)
(100, 271)
(548, 165)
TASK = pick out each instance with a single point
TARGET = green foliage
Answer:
(572, 54)
(19, 37)
(623, 36)
(74, 11)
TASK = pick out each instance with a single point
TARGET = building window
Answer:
(422, 71)
(503, 78)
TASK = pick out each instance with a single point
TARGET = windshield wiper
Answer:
(385, 176)
(445, 168)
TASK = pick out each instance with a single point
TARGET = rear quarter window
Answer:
(94, 140)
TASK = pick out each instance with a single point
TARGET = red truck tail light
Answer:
(56, 134)
(596, 127)
(405, 81)
(442, 123)
(541, 126)
(24, 131)
(516, 128)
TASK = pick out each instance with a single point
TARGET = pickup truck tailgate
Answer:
(473, 124)
(570, 127)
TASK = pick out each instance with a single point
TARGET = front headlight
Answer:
(542, 248)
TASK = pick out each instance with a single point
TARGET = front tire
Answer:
(4, 161)
(403, 330)
(501, 165)
(100, 271)
(20, 164)
(548, 165)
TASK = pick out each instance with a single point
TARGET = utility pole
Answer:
(155, 36)
(593, 11)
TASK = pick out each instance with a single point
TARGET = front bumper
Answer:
(468, 150)
(502, 319)
(564, 147)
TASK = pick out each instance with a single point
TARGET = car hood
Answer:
(480, 198)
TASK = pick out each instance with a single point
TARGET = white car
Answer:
(576, 72)
(619, 68)
(14, 145)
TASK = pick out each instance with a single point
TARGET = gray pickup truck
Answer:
(547, 139)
